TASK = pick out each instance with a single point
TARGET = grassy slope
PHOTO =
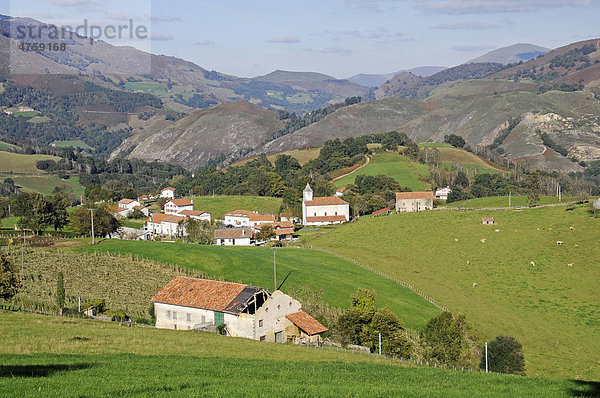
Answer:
(502, 201)
(219, 205)
(45, 184)
(551, 308)
(74, 358)
(19, 163)
(301, 155)
(453, 155)
(71, 144)
(337, 278)
(393, 165)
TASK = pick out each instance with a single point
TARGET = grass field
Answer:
(502, 201)
(132, 223)
(39, 119)
(451, 155)
(45, 184)
(406, 172)
(219, 205)
(552, 308)
(337, 278)
(61, 357)
(6, 145)
(18, 163)
(71, 144)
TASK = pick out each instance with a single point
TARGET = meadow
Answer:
(45, 184)
(336, 278)
(551, 307)
(18, 163)
(71, 144)
(400, 168)
(303, 156)
(53, 356)
(218, 206)
(502, 201)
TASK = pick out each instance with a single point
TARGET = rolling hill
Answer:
(223, 131)
(310, 81)
(516, 53)
(550, 307)
(70, 357)
(376, 80)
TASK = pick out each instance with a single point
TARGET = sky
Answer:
(336, 37)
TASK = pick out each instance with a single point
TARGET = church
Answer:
(325, 210)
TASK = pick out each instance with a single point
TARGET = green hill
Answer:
(403, 170)
(336, 278)
(19, 163)
(550, 307)
(54, 356)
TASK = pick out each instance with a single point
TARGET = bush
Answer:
(505, 355)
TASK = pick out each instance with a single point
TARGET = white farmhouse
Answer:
(323, 210)
(243, 311)
(176, 206)
(407, 202)
(234, 237)
(168, 192)
(166, 225)
(247, 218)
(195, 214)
(128, 203)
(443, 193)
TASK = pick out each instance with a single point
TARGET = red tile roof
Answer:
(414, 195)
(252, 216)
(233, 233)
(342, 189)
(483, 219)
(284, 231)
(140, 208)
(325, 201)
(126, 201)
(307, 323)
(181, 202)
(116, 209)
(192, 212)
(381, 211)
(199, 293)
(169, 189)
(162, 217)
(326, 219)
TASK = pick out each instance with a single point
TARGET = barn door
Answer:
(219, 318)
(279, 337)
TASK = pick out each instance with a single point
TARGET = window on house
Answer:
(260, 323)
(263, 338)
(325, 213)
(267, 309)
(336, 213)
(169, 314)
(189, 317)
(174, 315)
(175, 327)
(278, 307)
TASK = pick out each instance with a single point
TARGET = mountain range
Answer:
(491, 101)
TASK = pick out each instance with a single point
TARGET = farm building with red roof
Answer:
(243, 311)
(407, 202)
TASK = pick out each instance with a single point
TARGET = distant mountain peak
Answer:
(512, 54)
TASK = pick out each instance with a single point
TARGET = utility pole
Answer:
(486, 358)
(93, 240)
(23, 255)
(509, 197)
(275, 268)
(79, 304)
(379, 343)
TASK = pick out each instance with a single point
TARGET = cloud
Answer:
(204, 43)
(471, 6)
(329, 50)
(161, 36)
(376, 34)
(284, 39)
(498, 6)
(164, 18)
(472, 48)
(466, 26)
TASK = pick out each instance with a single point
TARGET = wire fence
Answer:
(383, 274)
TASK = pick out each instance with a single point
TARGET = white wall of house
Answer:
(411, 205)
(129, 205)
(202, 217)
(272, 314)
(237, 221)
(170, 316)
(165, 228)
(167, 193)
(234, 241)
(241, 325)
(172, 208)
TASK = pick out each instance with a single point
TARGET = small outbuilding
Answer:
(488, 220)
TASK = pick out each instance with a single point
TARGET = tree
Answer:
(455, 140)
(461, 179)
(60, 292)
(446, 339)
(9, 278)
(59, 202)
(533, 189)
(104, 222)
(200, 231)
(411, 151)
(266, 233)
(33, 210)
(505, 355)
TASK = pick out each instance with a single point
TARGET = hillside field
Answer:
(502, 201)
(218, 206)
(45, 184)
(406, 172)
(301, 155)
(551, 308)
(54, 356)
(18, 163)
(336, 278)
